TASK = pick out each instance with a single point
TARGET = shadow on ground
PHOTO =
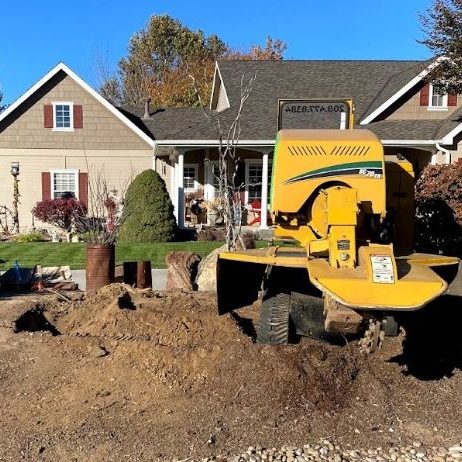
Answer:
(433, 345)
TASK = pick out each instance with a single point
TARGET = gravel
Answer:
(326, 450)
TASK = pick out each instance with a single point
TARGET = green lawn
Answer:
(30, 254)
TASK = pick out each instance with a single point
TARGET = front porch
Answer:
(193, 185)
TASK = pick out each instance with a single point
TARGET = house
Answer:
(60, 132)
(391, 98)
(61, 129)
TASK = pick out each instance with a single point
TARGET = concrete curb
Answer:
(159, 278)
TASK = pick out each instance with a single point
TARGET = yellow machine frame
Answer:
(328, 186)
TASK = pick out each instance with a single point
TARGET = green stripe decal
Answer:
(350, 167)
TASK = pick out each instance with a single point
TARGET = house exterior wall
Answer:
(101, 129)
(165, 170)
(117, 166)
(456, 152)
(412, 110)
(104, 144)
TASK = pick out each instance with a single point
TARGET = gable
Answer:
(413, 107)
(219, 99)
(22, 125)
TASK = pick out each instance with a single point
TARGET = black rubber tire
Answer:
(274, 325)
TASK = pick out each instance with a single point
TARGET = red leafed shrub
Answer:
(439, 210)
(63, 213)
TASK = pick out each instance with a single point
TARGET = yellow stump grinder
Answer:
(342, 260)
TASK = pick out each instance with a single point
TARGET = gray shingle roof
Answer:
(450, 123)
(369, 83)
(364, 81)
(168, 123)
(405, 129)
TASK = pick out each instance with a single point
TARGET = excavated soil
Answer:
(119, 375)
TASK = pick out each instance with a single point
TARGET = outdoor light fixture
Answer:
(15, 168)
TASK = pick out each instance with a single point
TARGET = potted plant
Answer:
(100, 230)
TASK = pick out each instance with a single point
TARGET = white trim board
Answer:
(214, 143)
(62, 67)
(448, 139)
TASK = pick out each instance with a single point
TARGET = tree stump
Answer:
(181, 269)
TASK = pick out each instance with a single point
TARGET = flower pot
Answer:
(100, 265)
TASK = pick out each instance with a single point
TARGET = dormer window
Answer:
(438, 97)
(63, 116)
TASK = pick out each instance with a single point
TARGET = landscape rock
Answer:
(207, 271)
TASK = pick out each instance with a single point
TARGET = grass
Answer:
(29, 254)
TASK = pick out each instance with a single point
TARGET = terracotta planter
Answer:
(100, 265)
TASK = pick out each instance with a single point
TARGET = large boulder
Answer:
(207, 272)
(181, 269)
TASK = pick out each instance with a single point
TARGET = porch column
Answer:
(264, 190)
(179, 188)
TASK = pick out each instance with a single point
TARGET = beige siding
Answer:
(101, 129)
(456, 153)
(118, 167)
(412, 110)
(165, 170)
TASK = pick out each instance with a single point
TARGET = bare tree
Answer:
(229, 188)
(104, 216)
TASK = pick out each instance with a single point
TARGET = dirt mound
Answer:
(155, 375)
(186, 344)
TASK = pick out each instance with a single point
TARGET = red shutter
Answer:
(46, 186)
(78, 116)
(83, 188)
(452, 100)
(48, 116)
(424, 93)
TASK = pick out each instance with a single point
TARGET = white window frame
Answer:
(71, 116)
(64, 170)
(196, 177)
(248, 163)
(443, 107)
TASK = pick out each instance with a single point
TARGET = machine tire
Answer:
(274, 325)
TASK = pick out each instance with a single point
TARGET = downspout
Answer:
(447, 153)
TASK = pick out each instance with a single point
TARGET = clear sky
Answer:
(36, 35)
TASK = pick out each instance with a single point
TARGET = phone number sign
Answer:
(313, 114)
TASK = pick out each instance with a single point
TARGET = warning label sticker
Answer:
(382, 269)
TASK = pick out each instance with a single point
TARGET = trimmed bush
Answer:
(148, 211)
(439, 210)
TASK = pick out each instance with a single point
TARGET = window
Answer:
(63, 116)
(254, 180)
(190, 177)
(64, 184)
(438, 98)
